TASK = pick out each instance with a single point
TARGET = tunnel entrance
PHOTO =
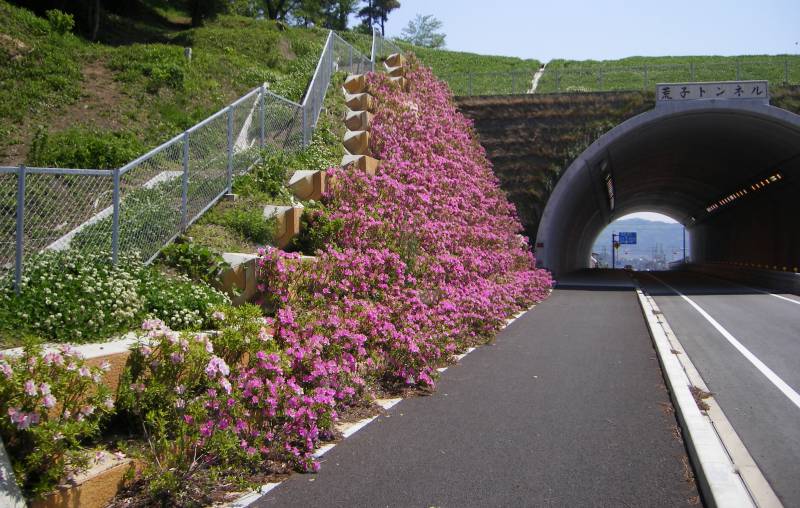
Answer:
(728, 171)
(659, 243)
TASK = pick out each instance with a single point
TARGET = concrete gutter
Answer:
(726, 473)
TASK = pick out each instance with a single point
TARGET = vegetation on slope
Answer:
(134, 87)
(643, 73)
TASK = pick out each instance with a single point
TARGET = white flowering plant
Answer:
(51, 406)
(178, 301)
(69, 296)
(66, 296)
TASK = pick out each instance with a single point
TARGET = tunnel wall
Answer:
(764, 231)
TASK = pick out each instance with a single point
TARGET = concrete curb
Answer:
(726, 474)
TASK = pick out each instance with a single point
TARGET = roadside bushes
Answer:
(49, 405)
(221, 402)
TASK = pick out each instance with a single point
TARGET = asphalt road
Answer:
(766, 419)
(567, 408)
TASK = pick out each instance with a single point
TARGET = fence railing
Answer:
(776, 70)
(381, 48)
(148, 202)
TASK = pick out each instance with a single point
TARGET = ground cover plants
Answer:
(68, 296)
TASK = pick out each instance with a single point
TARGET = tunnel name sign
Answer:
(723, 90)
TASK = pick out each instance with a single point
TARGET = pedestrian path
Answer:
(566, 408)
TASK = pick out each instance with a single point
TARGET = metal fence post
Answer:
(261, 119)
(350, 67)
(469, 83)
(738, 70)
(513, 82)
(115, 219)
(20, 244)
(558, 81)
(229, 176)
(185, 183)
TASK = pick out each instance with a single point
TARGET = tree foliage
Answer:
(422, 31)
(376, 12)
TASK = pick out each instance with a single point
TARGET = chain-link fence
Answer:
(382, 48)
(145, 204)
(778, 70)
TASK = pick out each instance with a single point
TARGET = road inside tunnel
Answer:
(729, 171)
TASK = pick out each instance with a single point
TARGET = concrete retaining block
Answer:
(395, 72)
(358, 120)
(360, 102)
(363, 163)
(355, 83)
(240, 281)
(288, 219)
(395, 60)
(400, 81)
(94, 488)
(357, 142)
(308, 184)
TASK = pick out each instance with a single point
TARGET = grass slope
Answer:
(136, 81)
(491, 74)
(643, 73)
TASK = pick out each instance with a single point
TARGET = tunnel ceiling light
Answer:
(775, 177)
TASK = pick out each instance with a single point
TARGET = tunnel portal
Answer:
(728, 170)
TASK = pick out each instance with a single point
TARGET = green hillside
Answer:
(134, 88)
(642, 73)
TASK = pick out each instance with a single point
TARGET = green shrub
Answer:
(317, 231)
(60, 22)
(198, 262)
(50, 404)
(267, 178)
(177, 301)
(70, 297)
(79, 147)
(246, 218)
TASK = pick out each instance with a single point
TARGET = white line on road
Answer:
(769, 373)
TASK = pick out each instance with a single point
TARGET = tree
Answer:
(279, 9)
(205, 9)
(422, 31)
(377, 11)
(337, 12)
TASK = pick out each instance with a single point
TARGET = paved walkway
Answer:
(567, 408)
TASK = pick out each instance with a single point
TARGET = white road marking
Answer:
(779, 383)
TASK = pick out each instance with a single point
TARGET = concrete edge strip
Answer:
(717, 475)
(755, 482)
(349, 429)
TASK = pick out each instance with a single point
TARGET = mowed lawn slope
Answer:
(643, 73)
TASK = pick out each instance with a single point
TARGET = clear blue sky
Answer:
(599, 29)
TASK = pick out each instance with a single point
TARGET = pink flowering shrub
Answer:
(49, 405)
(225, 399)
(432, 263)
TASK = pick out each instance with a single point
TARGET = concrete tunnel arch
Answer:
(678, 159)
